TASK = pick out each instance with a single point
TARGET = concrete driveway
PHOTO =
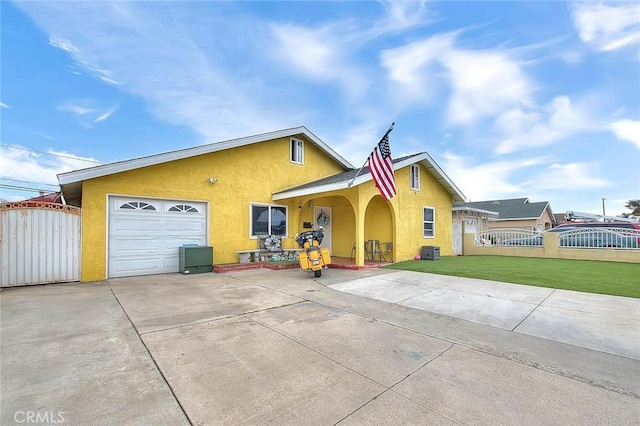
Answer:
(279, 347)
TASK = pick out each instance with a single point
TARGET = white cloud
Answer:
(536, 177)
(534, 127)
(310, 51)
(177, 60)
(484, 84)
(75, 109)
(406, 14)
(105, 115)
(327, 54)
(491, 180)
(102, 74)
(23, 164)
(577, 176)
(608, 26)
(87, 111)
(411, 69)
(401, 15)
(627, 130)
(3, 105)
(60, 43)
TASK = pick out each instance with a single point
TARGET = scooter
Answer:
(313, 258)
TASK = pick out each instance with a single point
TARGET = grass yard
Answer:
(614, 278)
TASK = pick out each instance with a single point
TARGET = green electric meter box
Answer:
(195, 259)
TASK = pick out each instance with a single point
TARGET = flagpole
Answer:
(365, 161)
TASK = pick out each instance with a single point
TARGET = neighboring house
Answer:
(515, 213)
(468, 220)
(473, 219)
(560, 219)
(136, 213)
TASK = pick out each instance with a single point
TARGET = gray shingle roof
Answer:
(514, 208)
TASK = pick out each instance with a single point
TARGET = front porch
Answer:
(336, 263)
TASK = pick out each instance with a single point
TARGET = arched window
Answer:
(137, 205)
(185, 208)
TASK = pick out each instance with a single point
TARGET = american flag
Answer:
(381, 167)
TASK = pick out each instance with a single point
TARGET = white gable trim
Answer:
(136, 163)
(423, 158)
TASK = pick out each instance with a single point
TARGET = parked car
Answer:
(623, 225)
(587, 234)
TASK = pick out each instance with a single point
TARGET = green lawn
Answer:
(614, 278)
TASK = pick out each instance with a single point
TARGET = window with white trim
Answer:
(415, 177)
(428, 222)
(297, 151)
(266, 219)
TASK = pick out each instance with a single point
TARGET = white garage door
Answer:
(144, 234)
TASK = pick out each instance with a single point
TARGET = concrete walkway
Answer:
(604, 323)
(278, 347)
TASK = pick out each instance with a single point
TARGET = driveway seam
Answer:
(206, 321)
(312, 350)
(390, 388)
(175, 397)
(533, 310)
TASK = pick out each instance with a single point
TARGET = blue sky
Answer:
(512, 99)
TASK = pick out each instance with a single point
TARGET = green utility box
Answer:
(196, 259)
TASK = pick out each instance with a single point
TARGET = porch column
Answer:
(360, 212)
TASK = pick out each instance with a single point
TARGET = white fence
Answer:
(583, 237)
(39, 243)
(508, 236)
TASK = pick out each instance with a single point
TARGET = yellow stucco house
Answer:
(136, 213)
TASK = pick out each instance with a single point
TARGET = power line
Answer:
(26, 181)
(24, 188)
(49, 153)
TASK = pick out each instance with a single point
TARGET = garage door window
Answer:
(268, 220)
(183, 208)
(137, 205)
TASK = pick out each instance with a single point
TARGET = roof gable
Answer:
(71, 182)
(342, 180)
(121, 166)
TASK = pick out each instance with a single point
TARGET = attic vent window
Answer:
(185, 208)
(495, 202)
(137, 205)
(297, 151)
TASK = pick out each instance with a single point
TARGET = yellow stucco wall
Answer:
(410, 222)
(242, 179)
(399, 220)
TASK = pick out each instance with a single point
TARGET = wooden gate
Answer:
(39, 243)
